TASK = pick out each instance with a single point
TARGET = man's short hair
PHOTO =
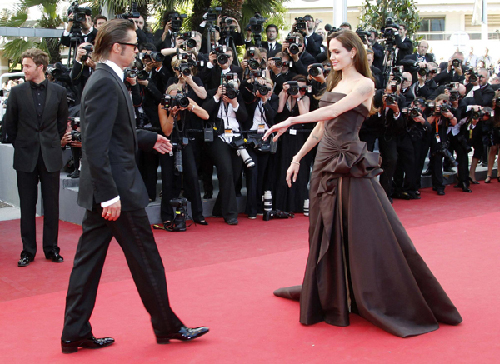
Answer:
(38, 56)
(148, 47)
(346, 24)
(113, 31)
(403, 25)
(272, 26)
(100, 17)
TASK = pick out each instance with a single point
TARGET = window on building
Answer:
(432, 25)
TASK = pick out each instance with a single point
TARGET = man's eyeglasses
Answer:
(135, 45)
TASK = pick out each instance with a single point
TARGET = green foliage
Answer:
(13, 49)
(375, 13)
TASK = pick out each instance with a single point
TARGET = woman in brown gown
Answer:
(360, 259)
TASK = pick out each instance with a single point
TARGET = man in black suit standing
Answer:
(404, 45)
(36, 117)
(271, 44)
(88, 31)
(312, 40)
(112, 192)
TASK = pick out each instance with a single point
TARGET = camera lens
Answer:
(222, 58)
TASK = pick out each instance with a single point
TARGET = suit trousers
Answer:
(147, 162)
(27, 186)
(229, 167)
(133, 232)
(405, 176)
(388, 146)
(462, 159)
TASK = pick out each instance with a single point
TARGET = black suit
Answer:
(90, 37)
(272, 53)
(109, 169)
(313, 44)
(378, 55)
(35, 132)
(405, 48)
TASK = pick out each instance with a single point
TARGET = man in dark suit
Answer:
(211, 74)
(36, 117)
(112, 192)
(404, 45)
(312, 40)
(378, 50)
(451, 71)
(88, 32)
(271, 44)
(418, 60)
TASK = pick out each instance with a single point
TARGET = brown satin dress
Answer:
(361, 259)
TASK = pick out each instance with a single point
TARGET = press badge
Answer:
(228, 132)
(261, 128)
(438, 138)
(293, 132)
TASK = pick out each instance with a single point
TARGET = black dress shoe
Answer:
(91, 343)
(75, 174)
(465, 188)
(201, 221)
(54, 256)
(233, 221)
(184, 334)
(440, 193)
(25, 261)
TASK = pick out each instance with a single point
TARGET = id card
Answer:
(438, 138)
(228, 132)
(261, 128)
(293, 132)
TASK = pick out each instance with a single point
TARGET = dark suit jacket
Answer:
(211, 77)
(27, 136)
(314, 44)
(378, 55)
(212, 108)
(405, 48)
(110, 141)
(65, 40)
(277, 48)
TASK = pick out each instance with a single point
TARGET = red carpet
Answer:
(223, 277)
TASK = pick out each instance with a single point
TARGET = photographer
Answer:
(292, 102)
(253, 64)
(271, 44)
(417, 62)
(220, 63)
(493, 137)
(407, 89)
(425, 85)
(376, 72)
(99, 21)
(404, 45)
(280, 70)
(451, 71)
(227, 115)
(229, 34)
(143, 36)
(85, 31)
(440, 119)
(82, 67)
(262, 107)
(175, 118)
(312, 40)
(294, 47)
(377, 48)
(393, 130)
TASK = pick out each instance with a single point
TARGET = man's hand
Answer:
(132, 81)
(143, 82)
(162, 145)
(66, 138)
(112, 212)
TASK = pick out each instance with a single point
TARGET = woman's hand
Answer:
(292, 173)
(279, 128)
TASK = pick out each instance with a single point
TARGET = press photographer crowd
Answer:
(214, 107)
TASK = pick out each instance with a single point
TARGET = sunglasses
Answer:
(135, 45)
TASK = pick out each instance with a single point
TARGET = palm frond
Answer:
(15, 48)
(16, 20)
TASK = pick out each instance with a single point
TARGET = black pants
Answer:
(147, 162)
(389, 150)
(133, 233)
(229, 166)
(256, 177)
(189, 180)
(27, 186)
(436, 160)
(462, 159)
(76, 152)
(405, 174)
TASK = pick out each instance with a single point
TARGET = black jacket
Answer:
(27, 136)
(110, 141)
(66, 40)
(405, 48)
(314, 43)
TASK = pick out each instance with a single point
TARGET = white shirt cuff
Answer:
(216, 98)
(235, 109)
(210, 64)
(65, 33)
(110, 202)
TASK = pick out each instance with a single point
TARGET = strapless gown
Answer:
(361, 259)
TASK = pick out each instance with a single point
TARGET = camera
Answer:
(473, 76)
(187, 37)
(255, 24)
(423, 71)
(88, 49)
(444, 108)
(179, 223)
(76, 135)
(211, 14)
(231, 89)
(293, 44)
(239, 145)
(253, 63)
(261, 89)
(79, 13)
(185, 69)
(363, 35)
(301, 24)
(130, 73)
(397, 74)
(456, 63)
(412, 112)
(180, 100)
(176, 20)
(389, 32)
(279, 63)
(316, 69)
(454, 95)
(446, 154)
(390, 99)
(293, 89)
(268, 215)
(133, 13)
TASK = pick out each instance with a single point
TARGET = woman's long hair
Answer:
(349, 40)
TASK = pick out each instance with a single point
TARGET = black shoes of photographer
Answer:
(91, 343)
(74, 174)
(233, 221)
(184, 334)
(26, 259)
